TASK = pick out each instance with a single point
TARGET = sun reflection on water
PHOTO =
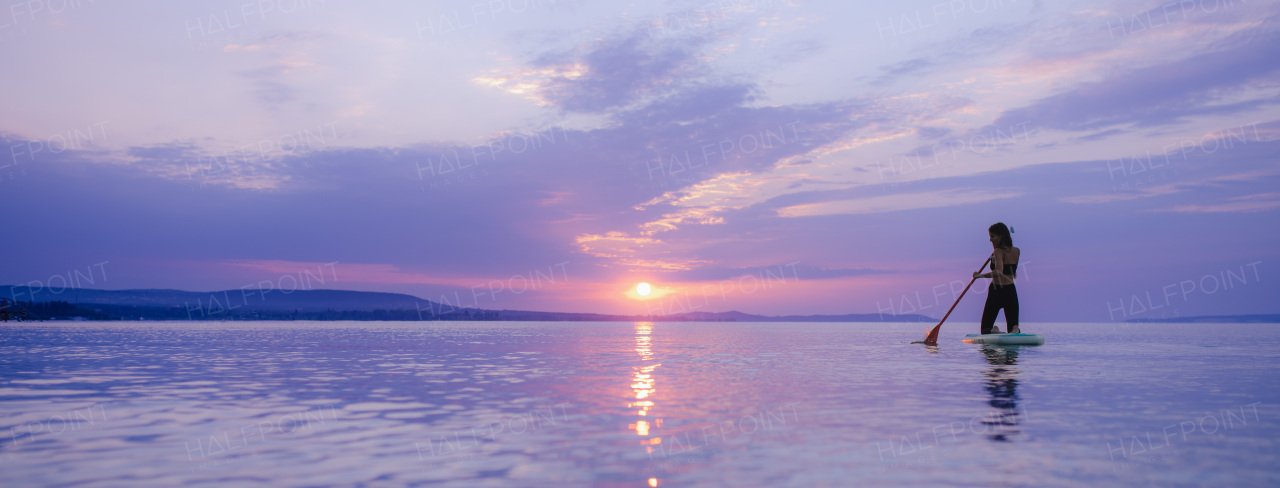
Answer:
(643, 386)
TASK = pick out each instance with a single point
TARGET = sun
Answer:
(643, 289)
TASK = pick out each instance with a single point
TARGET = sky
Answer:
(777, 157)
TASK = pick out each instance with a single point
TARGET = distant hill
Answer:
(252, 304)
(249, 299)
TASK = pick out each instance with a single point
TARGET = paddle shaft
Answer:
(933, 334)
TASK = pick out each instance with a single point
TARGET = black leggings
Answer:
(999, 297)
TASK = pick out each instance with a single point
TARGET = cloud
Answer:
(520, 196)
(903, 68)
(270, 91)
(172, 151)
(1206, 172)
(1165, 93)
(796, 270)
(1241, 204)
(288, 55)
(1150, 191)
(604, 75)
(1097, 136)
(895, 203)
(695, 102)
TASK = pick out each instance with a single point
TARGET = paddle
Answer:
(932, 338)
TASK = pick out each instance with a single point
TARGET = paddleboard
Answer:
(1005, 339)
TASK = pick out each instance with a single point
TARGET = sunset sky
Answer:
(772, 157)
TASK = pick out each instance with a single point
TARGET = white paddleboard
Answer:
(1005, 339)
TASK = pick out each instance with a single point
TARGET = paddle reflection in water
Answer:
(1002, 384)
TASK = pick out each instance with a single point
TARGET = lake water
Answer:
(634, 405)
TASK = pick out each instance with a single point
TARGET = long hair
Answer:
(999, 229)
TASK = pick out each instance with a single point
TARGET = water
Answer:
(634, 405)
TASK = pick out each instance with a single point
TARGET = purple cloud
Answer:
(615, 72)
(1165, 93)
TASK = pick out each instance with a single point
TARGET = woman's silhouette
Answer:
(1001, 293)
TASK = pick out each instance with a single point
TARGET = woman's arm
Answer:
(997, 266)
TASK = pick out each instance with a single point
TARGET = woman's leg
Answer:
(990, 310)
(1010, 303)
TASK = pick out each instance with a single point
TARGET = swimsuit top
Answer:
(1009, 269)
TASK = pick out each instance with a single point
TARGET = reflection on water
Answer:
(525, 404)
(1002, 385)
(642, 385)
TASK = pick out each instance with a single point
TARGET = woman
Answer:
(1001, 293)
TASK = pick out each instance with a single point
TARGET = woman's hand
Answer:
(976, 275)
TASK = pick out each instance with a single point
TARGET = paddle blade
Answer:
(931, 336)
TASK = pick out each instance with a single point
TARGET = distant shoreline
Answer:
(340, 305)
(344, 305)
(1218, 319)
